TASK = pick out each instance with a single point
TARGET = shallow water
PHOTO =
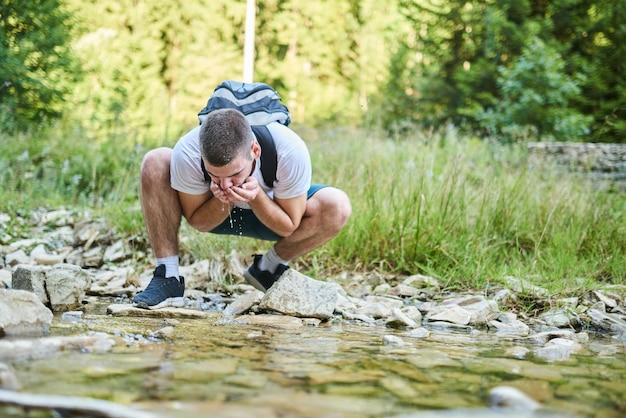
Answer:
(219, 367)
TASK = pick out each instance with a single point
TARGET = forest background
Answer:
(540, 69)
(419, 109)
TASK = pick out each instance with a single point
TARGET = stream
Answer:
(220, 367)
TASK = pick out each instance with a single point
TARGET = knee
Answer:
(155, 166)
(337, 210)
(345, 209)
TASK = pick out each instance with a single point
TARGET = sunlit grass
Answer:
(466, 211)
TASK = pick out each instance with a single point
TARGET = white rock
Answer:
(454, 314)
(512, 398)
(393, 340)
(22, 313)
(16, 258)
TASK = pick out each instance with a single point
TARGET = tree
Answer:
(37, 68)
(594, 35)
(536, 98)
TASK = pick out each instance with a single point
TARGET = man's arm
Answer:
(282, 216)
(204, 212)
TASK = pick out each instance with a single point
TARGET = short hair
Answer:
(224, 135)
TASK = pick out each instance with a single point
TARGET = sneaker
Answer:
(159, 289)
(262, 280)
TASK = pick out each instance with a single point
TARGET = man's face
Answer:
(232, 174)
(236, 172)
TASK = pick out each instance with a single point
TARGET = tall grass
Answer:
(466, 211)
(471, 212)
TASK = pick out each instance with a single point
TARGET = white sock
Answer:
(270, 261)
(171, 265)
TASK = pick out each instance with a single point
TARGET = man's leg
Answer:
(162, 216)
(159, 203)
(327, 212)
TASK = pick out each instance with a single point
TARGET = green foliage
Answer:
(536, 97)
(448, 65)
(594, 34)
(38, 169)
(37, 69)
(152, 65)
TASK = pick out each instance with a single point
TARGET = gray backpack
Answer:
(261, 105)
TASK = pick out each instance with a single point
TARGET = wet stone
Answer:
(129, 310)
(279, 321)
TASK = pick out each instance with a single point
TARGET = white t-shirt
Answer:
(293, 175)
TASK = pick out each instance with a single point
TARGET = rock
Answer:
(394, 340)
(419, 333)
(125, 309)
(5, 278)
(115, 253)
(374, 310)
(32, 279)
(23, 314)
(400, 319)
(112, 283)
(298, 295)
(512, 398)
(196, 275)
(560, 318)
(382, 289)
(454, 314)
(403, 290)
(606, 321)
(388, 301)
(66, 285)
(345, 304)
(311, 322)
(70, 406)
(92, 257)
(358, 317)
(8, 379)
(243, 303)
(278, 321)
(17, 257)
(518, 352)
(418, 280)
(507, 323)
(544, 337)
(40, 256)
(481, 311)
(56, 218)
(72, 316)
(504, 297)
(558, 349)
(609, 302)
(523, 286)
(165, 332)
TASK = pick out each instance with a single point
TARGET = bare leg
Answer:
(327, 212)
(159, 202)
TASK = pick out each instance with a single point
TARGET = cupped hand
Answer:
(245, 192)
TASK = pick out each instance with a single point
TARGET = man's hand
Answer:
(244, 193)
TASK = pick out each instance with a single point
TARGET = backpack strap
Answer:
(269, 158)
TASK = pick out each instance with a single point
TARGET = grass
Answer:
(466, 211)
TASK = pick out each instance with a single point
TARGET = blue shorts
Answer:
(244, 223)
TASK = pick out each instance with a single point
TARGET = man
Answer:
(297, 215)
